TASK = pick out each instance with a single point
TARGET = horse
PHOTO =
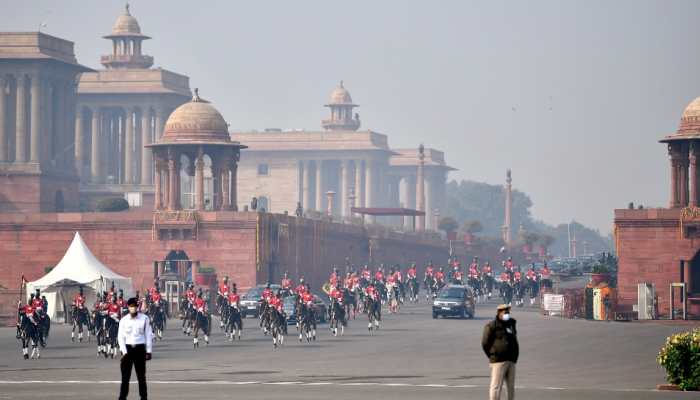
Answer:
(202, 321)
(157, 317)
(413, 289)
(100, 323)
(265, 317)
(188, 316)
(233, 324)
(111, 330)
(488, 285)
(374, 313)
(306, 318)
(80, 317)
(394, 298)
(349, 301)
(518, 293)
(28, 333)
(533, 289)
(337, 317)
(278, 326)
(475, 284)
(44, 325)
(506, 292)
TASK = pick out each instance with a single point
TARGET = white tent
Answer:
(78, 267)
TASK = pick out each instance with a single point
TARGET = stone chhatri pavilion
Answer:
(662, 245)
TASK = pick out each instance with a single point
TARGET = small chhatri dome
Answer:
(690, 120)
(196, 122)
(126, 24)
(340, 95)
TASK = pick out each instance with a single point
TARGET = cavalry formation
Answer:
(362, 293)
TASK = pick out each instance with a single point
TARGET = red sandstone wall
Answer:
(650, 249)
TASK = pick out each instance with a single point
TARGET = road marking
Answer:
(302, 383)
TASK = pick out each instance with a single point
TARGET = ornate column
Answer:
(21, 121)
(429, 205)
(420, 190)
(79, 140)
(344, 189)
(173, 175)
(165, 192)
(59, 127)
(199, 182)
(359, 192)
(158, 201)
(234, 183)
(129, 146)
(319, 186)
(48, 121)
(369, 188)
(305, 185)
(3, 119)
(95, 152)
(694, 174)
(684, 164)
(159, 123)
(225, 192)
(35, 143)
(678, 153)
(146, 156)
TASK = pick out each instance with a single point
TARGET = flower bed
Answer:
(680, 357)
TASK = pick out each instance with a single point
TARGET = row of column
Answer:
(35, 108)
(684, 174)
(168, 190)
(117, 136)
(355, 184)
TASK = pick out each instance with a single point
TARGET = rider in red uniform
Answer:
(301, 288)
(286, 283)
(336, 294)
(190, 294)
(347, 283)
(366, 274)
(379, 275)
(276, 302)
(234, 300)
(429, 271)
(333, 279)
(224, 289)
(199, 304)
(267, 293)
(79, 300)
(440, 275)
(411, 273)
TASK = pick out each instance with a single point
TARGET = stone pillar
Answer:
(359, 193)
(159, 123)
(79, 141)
(199, 182)
(59, 132)
(95, 148)
(48, 122)
(429, 205)
(3, 119)
(35, 143)
(146, 156)
(330, 195)
(234, 184)
(21, 121)
(165, 192)
(319, 186)
(158, 201)
(129, 146)
(344, 189)
(693, 174)
(420, 191)
(684, 164)
(306, 196)
(678, 153)
(173, 175)
(225, 188)
(369, 188)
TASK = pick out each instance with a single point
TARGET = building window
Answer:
(263, 169)
(263, 204)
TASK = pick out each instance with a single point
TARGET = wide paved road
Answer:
(411, 357)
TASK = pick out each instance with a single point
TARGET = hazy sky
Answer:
(572, 95)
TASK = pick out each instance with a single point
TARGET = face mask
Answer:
(132, 310)
(505, 317)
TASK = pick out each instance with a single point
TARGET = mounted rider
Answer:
(545, 275)
(301, 288)
(287, 284)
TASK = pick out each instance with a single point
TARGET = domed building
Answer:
(121, 109)
(196, 160)
(660, 247)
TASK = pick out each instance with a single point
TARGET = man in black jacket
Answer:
(500, 343)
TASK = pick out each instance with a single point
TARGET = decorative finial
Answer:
(421, 152)
(341, 84)
(196, 95)
(127, 9)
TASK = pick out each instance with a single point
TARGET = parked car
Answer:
(454, 301)
(250, 301)
(319, 305)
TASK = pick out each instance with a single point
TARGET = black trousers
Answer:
(135, 356)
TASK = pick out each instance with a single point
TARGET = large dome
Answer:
(690, 120)
(126, 24)
(340, 95)
(196, 122)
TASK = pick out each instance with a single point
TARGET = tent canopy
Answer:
(78, 267)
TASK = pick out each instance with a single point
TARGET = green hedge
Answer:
(680, 356)
(112, 204)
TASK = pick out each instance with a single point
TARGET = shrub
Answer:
(206, 270)
(112, 204)
(600, 269)
(680, 357)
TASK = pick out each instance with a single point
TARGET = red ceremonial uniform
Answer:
(429, 271)
(79, 301)
(366, 274)
(509, 265)
(545, 273)
(301, 289)
(114, 310)
(276, 303)
(411, 273)
(517, 275)
(38, 304)
(190, 295)
(504, 277)
(155, 297)
(28, 310)
(307, 298)
(286, 283)
(234, 299)
(379, 275)
(337, 295)
(458, 275)
(439, 275)
(200, 305)
(267, 294)
(371, 292)
(224, 289)
(531, 274)
(487, 269)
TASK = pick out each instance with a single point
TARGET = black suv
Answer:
(454, 301)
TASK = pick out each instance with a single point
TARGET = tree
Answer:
(472, 226)
(448, 224)
(546, 240)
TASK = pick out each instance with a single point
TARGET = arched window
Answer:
(263, 204)
(59, 202)
(186, 183)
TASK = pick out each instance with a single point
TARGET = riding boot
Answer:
(72, 336)
(25, 353)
